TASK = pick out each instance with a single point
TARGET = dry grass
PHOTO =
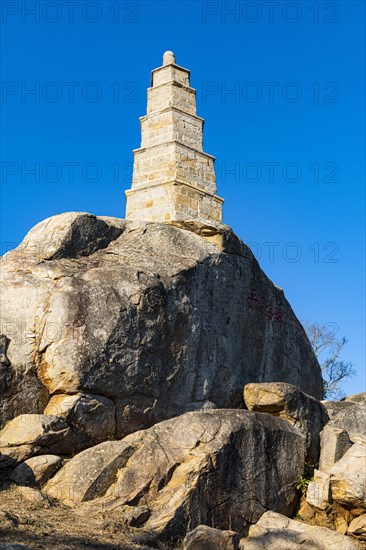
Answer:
(50, 525)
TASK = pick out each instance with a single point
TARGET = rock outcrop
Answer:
(207, 538)
(90, 474)
(35, 434)
(355, 398)
(125, 346)
(276, 532)
(91, 417)
(288, 402)
(348, 480)
(335, 407)
(223, 468)
(357, 528)
(36, 471)
(157, 318)
(337, 494)
(343, 430)
(30, 435)
(318, 491)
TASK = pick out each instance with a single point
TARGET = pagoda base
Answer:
(172, 201)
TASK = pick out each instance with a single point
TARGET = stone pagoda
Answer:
(173, 179)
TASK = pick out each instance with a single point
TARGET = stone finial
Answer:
(168, 58)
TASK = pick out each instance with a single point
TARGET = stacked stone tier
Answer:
(170, 73)
(171, 124)
(172, 200)
(171, 94)
(174, 161)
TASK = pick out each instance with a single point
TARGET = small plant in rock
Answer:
(302, 484)
(304, 480)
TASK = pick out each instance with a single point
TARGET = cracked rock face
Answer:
(222, 468)
(338, 435)
(339, 486)
(35, 471)
(288, 402)
(275, 532)
(207, 538)
(158, 318)
(348, 480)
(31, 434)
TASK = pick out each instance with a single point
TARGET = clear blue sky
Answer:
(292, 131)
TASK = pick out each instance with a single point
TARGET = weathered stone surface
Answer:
(333, 516)
(288, 402)
(161, 320)
(135, 516)
(207, 538)
(199, 468)
(338, 491)
(334, 443)
(70, 235)
(317, 493)
(20, 389)
(348, 479)
(79, 234)
(34, 434)
(33, 495)
(11, 456)
(168, 58)
(92, 418)
(356, 397)
(357, 527)
(335, 407)
(32, 429)
(35, 471)
(90, 473)
(347, 427)
(276, 532)
(353, 420)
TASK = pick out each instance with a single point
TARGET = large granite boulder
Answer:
(159, 318)
(338, 491)
(222, 468)
(344, 429)
(335, 407)
(348, 479)
(91, 417)
(80, 425)
(357, 528)
(35, 471)
(288, 402)
(30, 435)
(318, 491)
(90, 473)
(356, 397)
(276, 532)
(208, 538)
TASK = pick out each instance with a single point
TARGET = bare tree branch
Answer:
(328, 348)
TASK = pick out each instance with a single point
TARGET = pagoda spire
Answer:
(173, 179)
